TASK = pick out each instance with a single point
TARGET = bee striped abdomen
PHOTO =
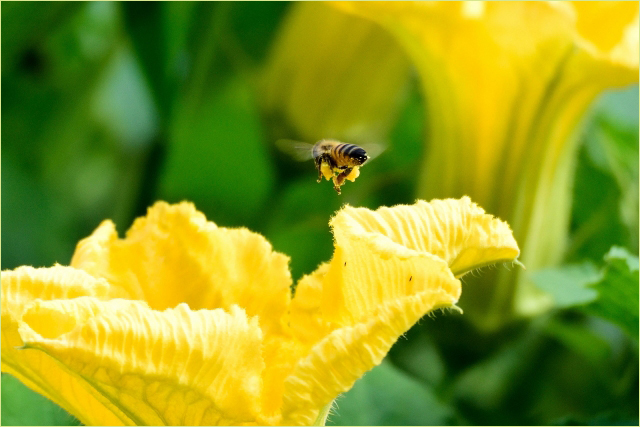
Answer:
(343, 152)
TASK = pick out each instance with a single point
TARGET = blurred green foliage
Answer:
(108, 107)
(23, 407)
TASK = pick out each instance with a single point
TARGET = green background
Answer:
(107, 107)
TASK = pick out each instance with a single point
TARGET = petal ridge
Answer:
(173, 255)
(203, 355)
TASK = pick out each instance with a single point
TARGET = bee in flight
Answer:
(334, 160)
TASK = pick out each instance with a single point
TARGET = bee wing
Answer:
(300, 151)
(373, 149)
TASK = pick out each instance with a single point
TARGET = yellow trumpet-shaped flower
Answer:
(186, 323)
(335, 75)
(506, 85)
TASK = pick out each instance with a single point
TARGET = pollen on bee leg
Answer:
(354, 174)
(326, 170)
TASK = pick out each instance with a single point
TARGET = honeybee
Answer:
(334, 160)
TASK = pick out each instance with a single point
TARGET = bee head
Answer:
(359, 155)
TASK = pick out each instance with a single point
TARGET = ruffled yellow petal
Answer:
(378, 271)
(390, 267)
(110, 360)
(457, 231)
(175, 255)
(337, 361)
(35, 369)
(175, 367)
(307, 322)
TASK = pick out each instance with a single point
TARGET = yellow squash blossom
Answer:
(186, 323)
(333, 75)
(506, 85)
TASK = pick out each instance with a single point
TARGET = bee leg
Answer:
(336, 186)
(343, 175)
(318, 162)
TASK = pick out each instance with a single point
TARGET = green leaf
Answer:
(123, 103)
(254, 25)
(29, 23)
(605, 202)
(23, 407)
(581, 339)
(217, 157)
(605, 419)
(611, 293)
(421, 356)
(568, 285)
(387, 396)
(488, 384)
(618, 291)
